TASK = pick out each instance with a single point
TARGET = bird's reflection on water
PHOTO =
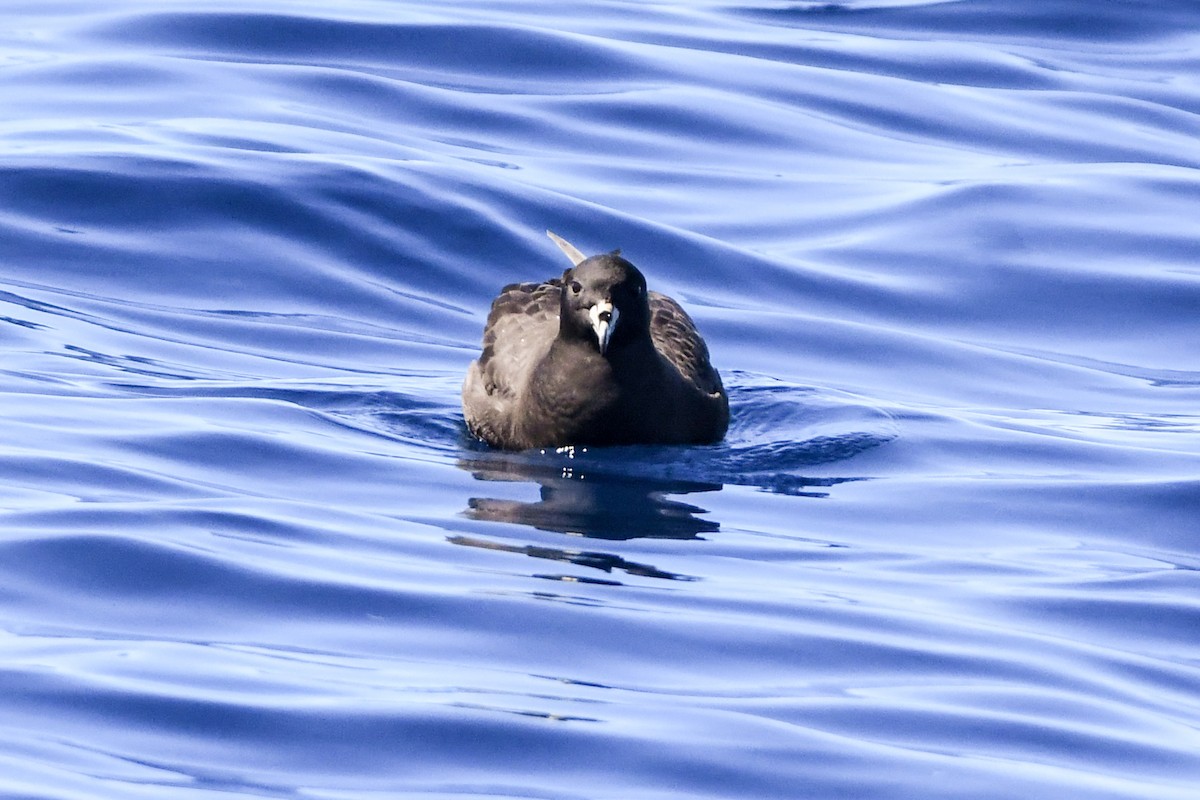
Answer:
(618, 495)
(592, 503)
(588, 502)
(583, 558)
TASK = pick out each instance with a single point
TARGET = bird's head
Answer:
(604, 300)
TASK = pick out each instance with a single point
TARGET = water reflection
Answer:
(616, 495)
(606, 562)
(586, 501)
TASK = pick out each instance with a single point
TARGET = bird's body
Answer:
(592, 358)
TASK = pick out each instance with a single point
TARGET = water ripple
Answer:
(943, 253)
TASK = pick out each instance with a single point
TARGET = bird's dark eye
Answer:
(576, 287)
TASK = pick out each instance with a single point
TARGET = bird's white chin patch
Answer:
(604, 321)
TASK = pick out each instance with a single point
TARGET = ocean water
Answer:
(945, 254)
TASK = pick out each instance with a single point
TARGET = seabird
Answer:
(592, 358)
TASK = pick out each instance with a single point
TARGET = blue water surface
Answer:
(945, 254)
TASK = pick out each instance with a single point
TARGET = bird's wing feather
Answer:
(676, 338)
(520, 327)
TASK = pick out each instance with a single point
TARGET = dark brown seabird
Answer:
(592, 358)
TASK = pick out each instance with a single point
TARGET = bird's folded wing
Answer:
(676, 338)
(520, 328)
